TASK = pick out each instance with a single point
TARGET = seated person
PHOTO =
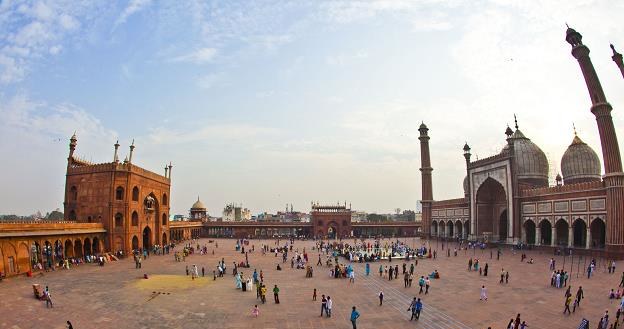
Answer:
(612, 294)
(434, 275)
(279, 268)
(530, 261)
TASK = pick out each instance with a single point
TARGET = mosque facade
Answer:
(507, 197)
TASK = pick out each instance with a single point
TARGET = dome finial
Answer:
(574, 128)
(516, 121)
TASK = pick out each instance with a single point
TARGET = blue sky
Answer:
(272, 102)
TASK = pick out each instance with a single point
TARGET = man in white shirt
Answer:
(330, 303)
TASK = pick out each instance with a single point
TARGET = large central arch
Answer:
(491, 204)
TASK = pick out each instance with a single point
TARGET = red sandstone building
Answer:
(130, 202)
(507, 197)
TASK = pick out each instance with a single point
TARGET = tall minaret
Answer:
(614, 178)
(425, 169)
(131, 151)
(115, 156)
(617, 58)
(73, 141)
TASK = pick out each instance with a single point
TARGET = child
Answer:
(256, 311)
(314, 295)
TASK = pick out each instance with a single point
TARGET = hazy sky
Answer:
(272, 102)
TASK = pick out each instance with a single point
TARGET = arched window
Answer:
(72, 215)
(135, 194)
(119, 193)
(89, 219)
(118, 220)
(164, 219)
(135, 219)
(73, 193)
(164, 199)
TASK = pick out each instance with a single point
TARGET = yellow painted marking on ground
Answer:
(167, 283)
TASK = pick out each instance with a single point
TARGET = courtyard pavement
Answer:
(117, 296)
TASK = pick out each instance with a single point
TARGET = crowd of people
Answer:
(341, 258)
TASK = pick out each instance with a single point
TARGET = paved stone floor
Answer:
(116, 296)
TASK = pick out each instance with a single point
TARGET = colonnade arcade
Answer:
(573, 232)
(451, 228)
(49, 251)
(19, 256)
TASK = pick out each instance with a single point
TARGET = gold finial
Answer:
(574, 128)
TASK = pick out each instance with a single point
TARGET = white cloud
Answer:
(31, 31)
(36, 135)
(54, 50)
(133, 7)
(200, 56)
(344, 59)
(220, 132)
(211, 80)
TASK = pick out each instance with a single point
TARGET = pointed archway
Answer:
(580, 233)
(598, 233)
(529, 232)
(147, 238)
(546, 232)
(135, 243)
(561, 228)
(491, 204)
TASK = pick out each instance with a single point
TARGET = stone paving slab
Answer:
(116, 296)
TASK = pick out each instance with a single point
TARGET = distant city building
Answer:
(233, 212)
(358, 216)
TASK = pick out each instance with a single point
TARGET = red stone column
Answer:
(425, 169)
(614, 177)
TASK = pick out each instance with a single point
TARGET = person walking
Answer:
(621, 281)
(579, 296)
(483, 293)
(412, 308)
(568, 300)
(263, 291)
(419, 307)
(381, 296)
(354, 316)
(330, 304)
(276, 294)
(421, 283)
(323, 305)
(367, 269)
(48, 298)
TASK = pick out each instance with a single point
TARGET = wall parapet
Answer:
(578, 187)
